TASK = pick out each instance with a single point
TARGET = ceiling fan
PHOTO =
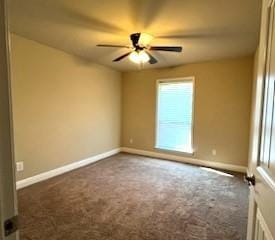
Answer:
(140, 53)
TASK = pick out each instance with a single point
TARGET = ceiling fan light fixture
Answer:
(139, 57)
(134, 57)
(144, 57)
(141, 49)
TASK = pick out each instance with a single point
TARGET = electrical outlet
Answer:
(19, 166)
(131, 140)
(214, 152)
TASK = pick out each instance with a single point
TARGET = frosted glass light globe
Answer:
(139, 57)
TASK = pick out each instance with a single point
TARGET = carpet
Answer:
(129, 197)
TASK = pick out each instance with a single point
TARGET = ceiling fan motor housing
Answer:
(135, 38)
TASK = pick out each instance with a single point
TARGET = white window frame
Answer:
(171, 80)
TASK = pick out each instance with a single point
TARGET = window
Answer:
(175, 115)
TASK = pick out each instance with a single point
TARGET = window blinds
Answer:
(175, 115)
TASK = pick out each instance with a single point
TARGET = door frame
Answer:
(8, 200)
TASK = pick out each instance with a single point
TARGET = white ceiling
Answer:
(206, 29)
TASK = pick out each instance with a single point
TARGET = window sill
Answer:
(175, 151)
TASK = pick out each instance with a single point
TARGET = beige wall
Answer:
(222, 108)
(65, 109)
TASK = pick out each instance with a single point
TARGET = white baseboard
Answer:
(58, 171)
(218, 165)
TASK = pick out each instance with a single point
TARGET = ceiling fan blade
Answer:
(135, 38)
(152, 59)
(185, 36)
(168, 49)
(110, 45)
(121, 57)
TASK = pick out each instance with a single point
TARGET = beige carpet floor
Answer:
(128, 197)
